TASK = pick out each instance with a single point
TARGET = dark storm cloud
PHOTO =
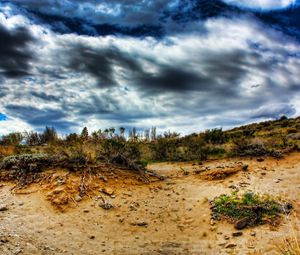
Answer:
(219, 72)
(14, 53)
(100, 63)
(145, 18)
(40, 118)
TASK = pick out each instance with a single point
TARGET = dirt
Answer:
(162, 217)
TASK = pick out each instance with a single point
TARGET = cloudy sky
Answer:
(183, 65)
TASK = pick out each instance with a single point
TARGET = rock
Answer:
(103, 178)
(239, 233)
(140, 224)
(78, 198)
(287, 207)
(108, 191)
(128, 193)
(3, 208)
(86, 211)
(241, 224)
(226, 237)
(253, 233)
(92, 237)
(230, 245)
(234, 187)
(260, 159)
(4, 240)
(106, 205)
(245, 167)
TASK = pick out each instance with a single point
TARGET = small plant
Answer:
(248, 209)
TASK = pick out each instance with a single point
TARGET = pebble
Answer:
(3, 208)
(230, 245)
(239, 233)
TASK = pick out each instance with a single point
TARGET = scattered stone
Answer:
(241, 224)
(106, 205)
(92, 237)
(226, 237)
(260, 159)
(108, 191)
(245, 167)
(4, 240)
(236, 234)
(128, 193)
(86, 211)
(3, 208)
(253, 233)
(78, 198)
(230, 245)
(140, 224)
(234, 187)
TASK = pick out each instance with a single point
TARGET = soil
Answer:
(161, 217)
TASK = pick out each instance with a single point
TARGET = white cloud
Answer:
(262, 4)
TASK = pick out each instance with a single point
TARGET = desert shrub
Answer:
(12, 139)
(6, 151)
(248, 209)
(25, 162)
(215, 136)
(244, 147)
(112, 146)
(291, 131)
(165, 149)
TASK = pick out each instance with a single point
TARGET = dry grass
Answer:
(290, 245)
(220, 174)
(7, 150)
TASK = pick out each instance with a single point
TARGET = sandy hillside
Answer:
(162, 217)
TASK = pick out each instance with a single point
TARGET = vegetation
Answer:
(271, 138)
(248, 209)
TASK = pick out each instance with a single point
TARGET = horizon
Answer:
(178, 65)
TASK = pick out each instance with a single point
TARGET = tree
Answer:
(84, 134)
(122, 131)
(33, 138)
(49, 135)
(147, 134)
(112, 131)
(153, 133)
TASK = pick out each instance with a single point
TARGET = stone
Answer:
(241, 224)
(3, 208)
(108, 191)
(140, 224)
(245, 167)
(106, 206)
(230, 245)
(239, 233)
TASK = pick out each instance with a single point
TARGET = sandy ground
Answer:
(163, 217)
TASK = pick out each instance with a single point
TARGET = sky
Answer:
(179, 65)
